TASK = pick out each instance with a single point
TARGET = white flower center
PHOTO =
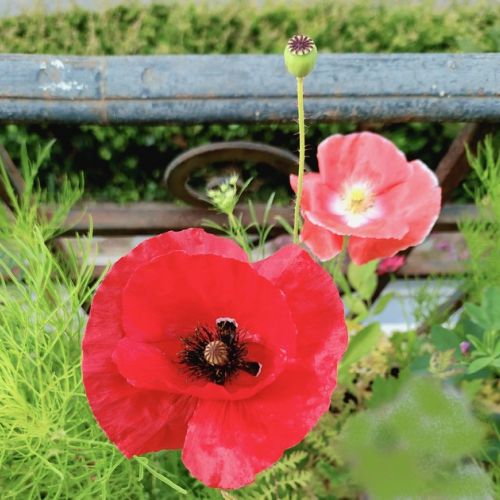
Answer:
(357, 204)
(358, 199)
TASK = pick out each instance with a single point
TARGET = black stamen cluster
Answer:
(193, 356)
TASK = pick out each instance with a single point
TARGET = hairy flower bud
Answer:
(300, 55)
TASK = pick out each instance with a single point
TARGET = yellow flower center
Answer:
(358, 199)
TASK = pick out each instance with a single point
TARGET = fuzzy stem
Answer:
(302, 155)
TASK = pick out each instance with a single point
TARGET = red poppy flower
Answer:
(190, 346)
(366, 189)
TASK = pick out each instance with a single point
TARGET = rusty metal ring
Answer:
(179, 171)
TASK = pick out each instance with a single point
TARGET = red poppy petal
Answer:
(305, 388)
(420, 211)
(298, 276)
(192, 291)
(103, 329)
(323, 243)
(146, 366)
(156, 367)
(362, 156)
(138, 421)
(191, 241)
(227, 444)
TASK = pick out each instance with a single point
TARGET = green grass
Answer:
(50, 444)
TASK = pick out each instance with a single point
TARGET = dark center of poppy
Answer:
(217, 354)
(300, 45)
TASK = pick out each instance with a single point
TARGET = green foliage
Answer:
(482, 233)
(415, 446)
(361, 344)
(283, 480)
(358, 285)
(251, 237)
(51, 446)
(480, 326)
(389, 432)
(125, 163)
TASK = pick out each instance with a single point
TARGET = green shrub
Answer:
(125, 163)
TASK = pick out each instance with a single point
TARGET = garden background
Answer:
(126, 163)
(401, 400)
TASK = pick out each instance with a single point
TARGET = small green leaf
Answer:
(479, 364)
(382, 303)
(496, 351)
(477, 315)
(420, 364)
(363, 278)
(491, 306)
(355, 305)
(444, 339)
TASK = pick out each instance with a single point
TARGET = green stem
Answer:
(239, 233)
(302, 156)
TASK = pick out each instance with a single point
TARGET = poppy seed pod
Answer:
(300, 55)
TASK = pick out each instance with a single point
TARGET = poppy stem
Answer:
(302, 155)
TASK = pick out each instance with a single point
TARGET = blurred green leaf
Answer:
(355, 305)
(491, 306)
(444, 339)
(479, 364)
(363, 278)
(386, 389)
(413, 447)
(382, 303)
(478, 315)
(360, 345)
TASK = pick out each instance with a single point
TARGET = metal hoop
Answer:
(179, 171)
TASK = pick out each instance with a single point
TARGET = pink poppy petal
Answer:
(323, 243)
(378, 221)
(311, 179)
(361, 156)
(420, 210)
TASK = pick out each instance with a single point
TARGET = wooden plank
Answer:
(150, 218)
(454, 167)
(154, 218)
(13, 175)
(442, 253)
(236, 88)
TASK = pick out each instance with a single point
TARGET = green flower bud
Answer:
(300, 55)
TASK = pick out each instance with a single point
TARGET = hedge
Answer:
(125, 163)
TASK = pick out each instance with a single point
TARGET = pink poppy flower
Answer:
(188, 345)
(367, 190)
